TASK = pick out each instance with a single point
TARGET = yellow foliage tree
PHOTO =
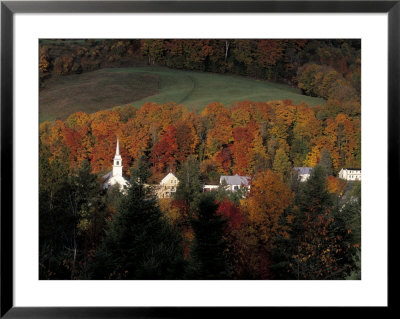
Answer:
(269, 197)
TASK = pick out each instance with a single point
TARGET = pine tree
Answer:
(208, 255)
(298, 152)
(346, 228)
(88, 212)
(55, 222)
(308, 250)
(326, 162)
(71, 217)
(355, 274)
(322, 238)
(345, 235)
(140, 171)
(139, 243)
(286, 265)
(189, 186)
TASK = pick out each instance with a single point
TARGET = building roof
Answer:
(303, 170)
(352, 169)
(109, 180)
(167, 178)
(108, 175)
(235, 180)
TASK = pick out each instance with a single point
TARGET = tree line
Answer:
(281, 229)
(244, 138)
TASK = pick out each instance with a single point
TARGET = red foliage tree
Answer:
(163, 155)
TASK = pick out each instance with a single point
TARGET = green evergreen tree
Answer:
(345, 231)
(71, 218)
(208, 256)
(294, 181)
(355, 274)
(139, 243)
(285, 261)
(87, 207)
(305, 252)
(347, 226)
(140, 171)
(113, 197)
(322, 237)
(298, 152)
(326, 162)
(55, 223)
(189, 186)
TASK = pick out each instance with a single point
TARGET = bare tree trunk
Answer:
(226, 49)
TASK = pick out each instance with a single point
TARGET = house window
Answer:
(235, 187)
(117, 162)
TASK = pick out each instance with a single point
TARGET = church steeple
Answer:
(117, 150)
(117, 167)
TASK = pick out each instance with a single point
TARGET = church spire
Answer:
(117, 150)
(117, 167)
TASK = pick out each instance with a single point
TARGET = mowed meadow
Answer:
(105, 88)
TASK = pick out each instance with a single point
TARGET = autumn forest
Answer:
(280, 227)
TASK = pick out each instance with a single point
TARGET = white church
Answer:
(166, 189)
(168, 186)
(115, 176)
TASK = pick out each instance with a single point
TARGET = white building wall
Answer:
(350, 174)
(304, 177)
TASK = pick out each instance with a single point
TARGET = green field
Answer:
(102, 89)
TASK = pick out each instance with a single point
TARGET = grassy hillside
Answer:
(106, 88)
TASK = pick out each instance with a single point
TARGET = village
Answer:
(168, 185)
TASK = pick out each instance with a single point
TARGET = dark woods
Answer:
(89, 233)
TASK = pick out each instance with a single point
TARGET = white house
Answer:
(232, 183)
(350, 174)
(167, 187)
(208, 188)
(303, 173)
(115, 176)
(236, 182)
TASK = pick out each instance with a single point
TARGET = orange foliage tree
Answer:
(269, 197)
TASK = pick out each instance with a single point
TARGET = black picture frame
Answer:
(9, 8)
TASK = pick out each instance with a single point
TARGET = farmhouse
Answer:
(231, 183)
(350, 174)
(236, 182)
(115, 176)
(303, 173)
(167, 187)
